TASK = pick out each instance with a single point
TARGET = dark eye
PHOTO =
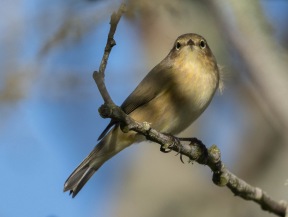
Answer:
(202, 44)
(178, 45)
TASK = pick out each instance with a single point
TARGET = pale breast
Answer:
(181, 103)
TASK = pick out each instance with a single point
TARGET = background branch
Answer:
(194, 149)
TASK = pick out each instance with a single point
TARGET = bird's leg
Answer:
(193, 142)
(176, 142)
(196, 142)
(168, 147)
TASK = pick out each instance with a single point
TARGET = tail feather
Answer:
(78, 179)
(86, 169)
(110, 145)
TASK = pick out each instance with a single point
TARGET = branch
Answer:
(99, 76)
(193, 148)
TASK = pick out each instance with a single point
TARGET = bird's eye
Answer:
(202, 44)
(178, 45)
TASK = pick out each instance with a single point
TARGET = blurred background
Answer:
(48, 106)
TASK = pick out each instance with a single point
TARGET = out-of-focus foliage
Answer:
(48, 105)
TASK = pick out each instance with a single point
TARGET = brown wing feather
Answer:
(149, 88)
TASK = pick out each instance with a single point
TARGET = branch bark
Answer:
(193, 148)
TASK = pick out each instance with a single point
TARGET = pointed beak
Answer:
(190, 42)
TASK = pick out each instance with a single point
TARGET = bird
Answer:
(170, 97)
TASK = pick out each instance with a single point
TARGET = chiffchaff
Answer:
(171, 96)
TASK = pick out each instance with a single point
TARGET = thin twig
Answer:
(195, 150)
(99, 76)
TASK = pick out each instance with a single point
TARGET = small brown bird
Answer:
(171, 96)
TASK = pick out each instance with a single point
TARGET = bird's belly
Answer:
(169, 113)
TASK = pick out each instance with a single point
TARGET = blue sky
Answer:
(45, 135)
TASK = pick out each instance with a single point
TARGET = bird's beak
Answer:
(190, 43)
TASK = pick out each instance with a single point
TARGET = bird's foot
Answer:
(176, 145)
(203, 150)
(168, 147)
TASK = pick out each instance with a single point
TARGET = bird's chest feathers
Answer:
(195, 85)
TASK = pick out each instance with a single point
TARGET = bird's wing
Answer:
(150, 87)
(106, 130)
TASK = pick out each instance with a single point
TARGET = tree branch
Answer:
(99, 76)
(193, 148)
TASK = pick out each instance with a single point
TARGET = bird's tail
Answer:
(110, 145)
